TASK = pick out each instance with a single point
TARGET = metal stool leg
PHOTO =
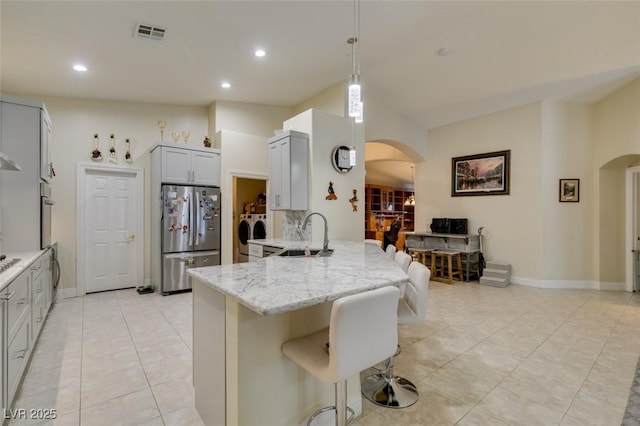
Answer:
(386, 390)
(340, 408)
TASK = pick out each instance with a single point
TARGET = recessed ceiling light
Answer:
(225, 85)
(444, 51)
(79, 67)
(260, 53)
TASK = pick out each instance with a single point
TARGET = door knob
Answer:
(131, 237)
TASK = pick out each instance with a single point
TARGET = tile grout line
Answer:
(527, 357)
(81, 360)
(153, 395)
(600, 353)
(566, 413)
(174, 328)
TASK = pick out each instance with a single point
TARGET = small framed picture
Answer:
(569, 190)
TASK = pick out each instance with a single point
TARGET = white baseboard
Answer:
(66, 293)
(613, 286)
(570, 284)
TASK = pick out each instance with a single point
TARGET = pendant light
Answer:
(355, 106)
(411, 199)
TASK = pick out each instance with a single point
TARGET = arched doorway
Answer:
(619, 222)
(389, 187)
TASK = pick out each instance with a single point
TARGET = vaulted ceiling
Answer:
(501, 54)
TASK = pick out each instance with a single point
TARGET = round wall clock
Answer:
(341, 159)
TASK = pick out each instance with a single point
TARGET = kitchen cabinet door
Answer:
(3, 347)
(18, 355)
(205, 168)
(18, 304)
(176, 165)
(190, 167)
(37, 298)
(288, 168)
(278, 199)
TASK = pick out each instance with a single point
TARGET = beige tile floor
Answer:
(484, 356)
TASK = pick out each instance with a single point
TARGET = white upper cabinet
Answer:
(187, 165)
(288, 168)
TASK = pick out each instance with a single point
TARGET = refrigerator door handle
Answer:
(191, 221)
(197, 214)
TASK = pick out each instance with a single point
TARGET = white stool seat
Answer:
(357, 340)
(403, 260)
(391, 251)
(386, 389)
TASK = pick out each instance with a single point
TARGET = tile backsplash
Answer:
(292, 226)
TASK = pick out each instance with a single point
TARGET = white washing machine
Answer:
(251, 227)
(259, 227)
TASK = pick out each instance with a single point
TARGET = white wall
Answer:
(242, 155)
(331, 100)
(512, 223)
(74, 123)
(253, 119)
(616, 134)
(567, 152)
(616, 126)
(326, 131)
(548, 243)
(380, 122)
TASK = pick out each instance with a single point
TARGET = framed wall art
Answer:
(569, 190)
(481, 174)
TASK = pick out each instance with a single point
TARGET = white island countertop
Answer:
(275, 285)
(26, 258)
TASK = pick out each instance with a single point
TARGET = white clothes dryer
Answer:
(251, 227)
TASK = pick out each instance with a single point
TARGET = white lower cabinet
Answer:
(25, 304)
(17, 355)
(19, 293)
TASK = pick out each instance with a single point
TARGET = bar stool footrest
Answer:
(330, 408)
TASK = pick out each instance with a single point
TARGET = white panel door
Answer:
(110, 222)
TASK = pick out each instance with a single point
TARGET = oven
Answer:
(45, 214)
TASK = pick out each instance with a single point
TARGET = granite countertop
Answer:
(26, 259)
(275, 285)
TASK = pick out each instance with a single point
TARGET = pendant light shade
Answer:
(411, 199)
(354, 98)
(360, 117)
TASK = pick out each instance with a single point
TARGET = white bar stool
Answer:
(356, 340)
(391, 251)
(385, 389)
(403, 260)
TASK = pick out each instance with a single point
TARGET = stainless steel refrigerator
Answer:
(190, 233)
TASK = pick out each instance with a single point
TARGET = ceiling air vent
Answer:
(152, 32)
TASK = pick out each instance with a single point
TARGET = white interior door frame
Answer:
(632, 190)
(81, 245)
(227, 208)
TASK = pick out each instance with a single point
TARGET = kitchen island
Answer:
(242, 314)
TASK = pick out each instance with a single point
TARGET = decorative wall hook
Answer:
(354, 201)
(96, 155)
(127, 156)
(332, 195)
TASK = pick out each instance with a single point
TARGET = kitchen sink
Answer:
(300, 253)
